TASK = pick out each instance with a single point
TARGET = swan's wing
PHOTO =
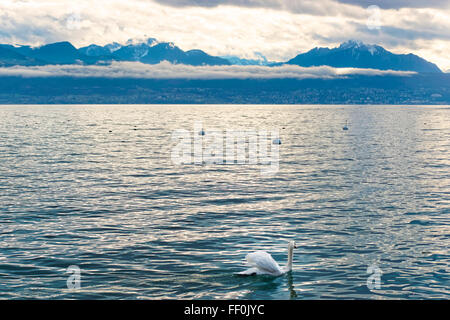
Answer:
(264, 262)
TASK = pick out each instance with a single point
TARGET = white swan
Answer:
(262, 263)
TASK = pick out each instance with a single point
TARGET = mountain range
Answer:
(352, 53)
(356, 54)
(149, 51)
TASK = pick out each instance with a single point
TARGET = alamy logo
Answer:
(374, 20)
(374, 280)
(74, 280)
(74, 20)
(213, 146)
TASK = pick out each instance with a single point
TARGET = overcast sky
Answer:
(279, 29)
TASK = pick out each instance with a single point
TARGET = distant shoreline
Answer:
(419, 89)
(216, 104)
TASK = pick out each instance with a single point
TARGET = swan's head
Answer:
(292, 245)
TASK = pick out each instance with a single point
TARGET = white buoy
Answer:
(276, 141)
(346, 126)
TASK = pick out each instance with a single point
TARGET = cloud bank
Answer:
(166, 70)
(306, 5)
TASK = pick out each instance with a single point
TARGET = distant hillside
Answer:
(9, 57)
(422, 88)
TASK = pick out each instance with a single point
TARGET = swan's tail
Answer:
(248, 272)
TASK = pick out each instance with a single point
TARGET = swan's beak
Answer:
(295, 246)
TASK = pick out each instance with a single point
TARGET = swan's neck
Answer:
(290, 255)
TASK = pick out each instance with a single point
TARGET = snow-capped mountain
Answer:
(151, 51)
(260, 60)
(146, 51)
(357, 54)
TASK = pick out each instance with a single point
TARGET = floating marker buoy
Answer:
(345, 128)
(202, 132)
(276, 141)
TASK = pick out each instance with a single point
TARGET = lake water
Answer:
(141, 227)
